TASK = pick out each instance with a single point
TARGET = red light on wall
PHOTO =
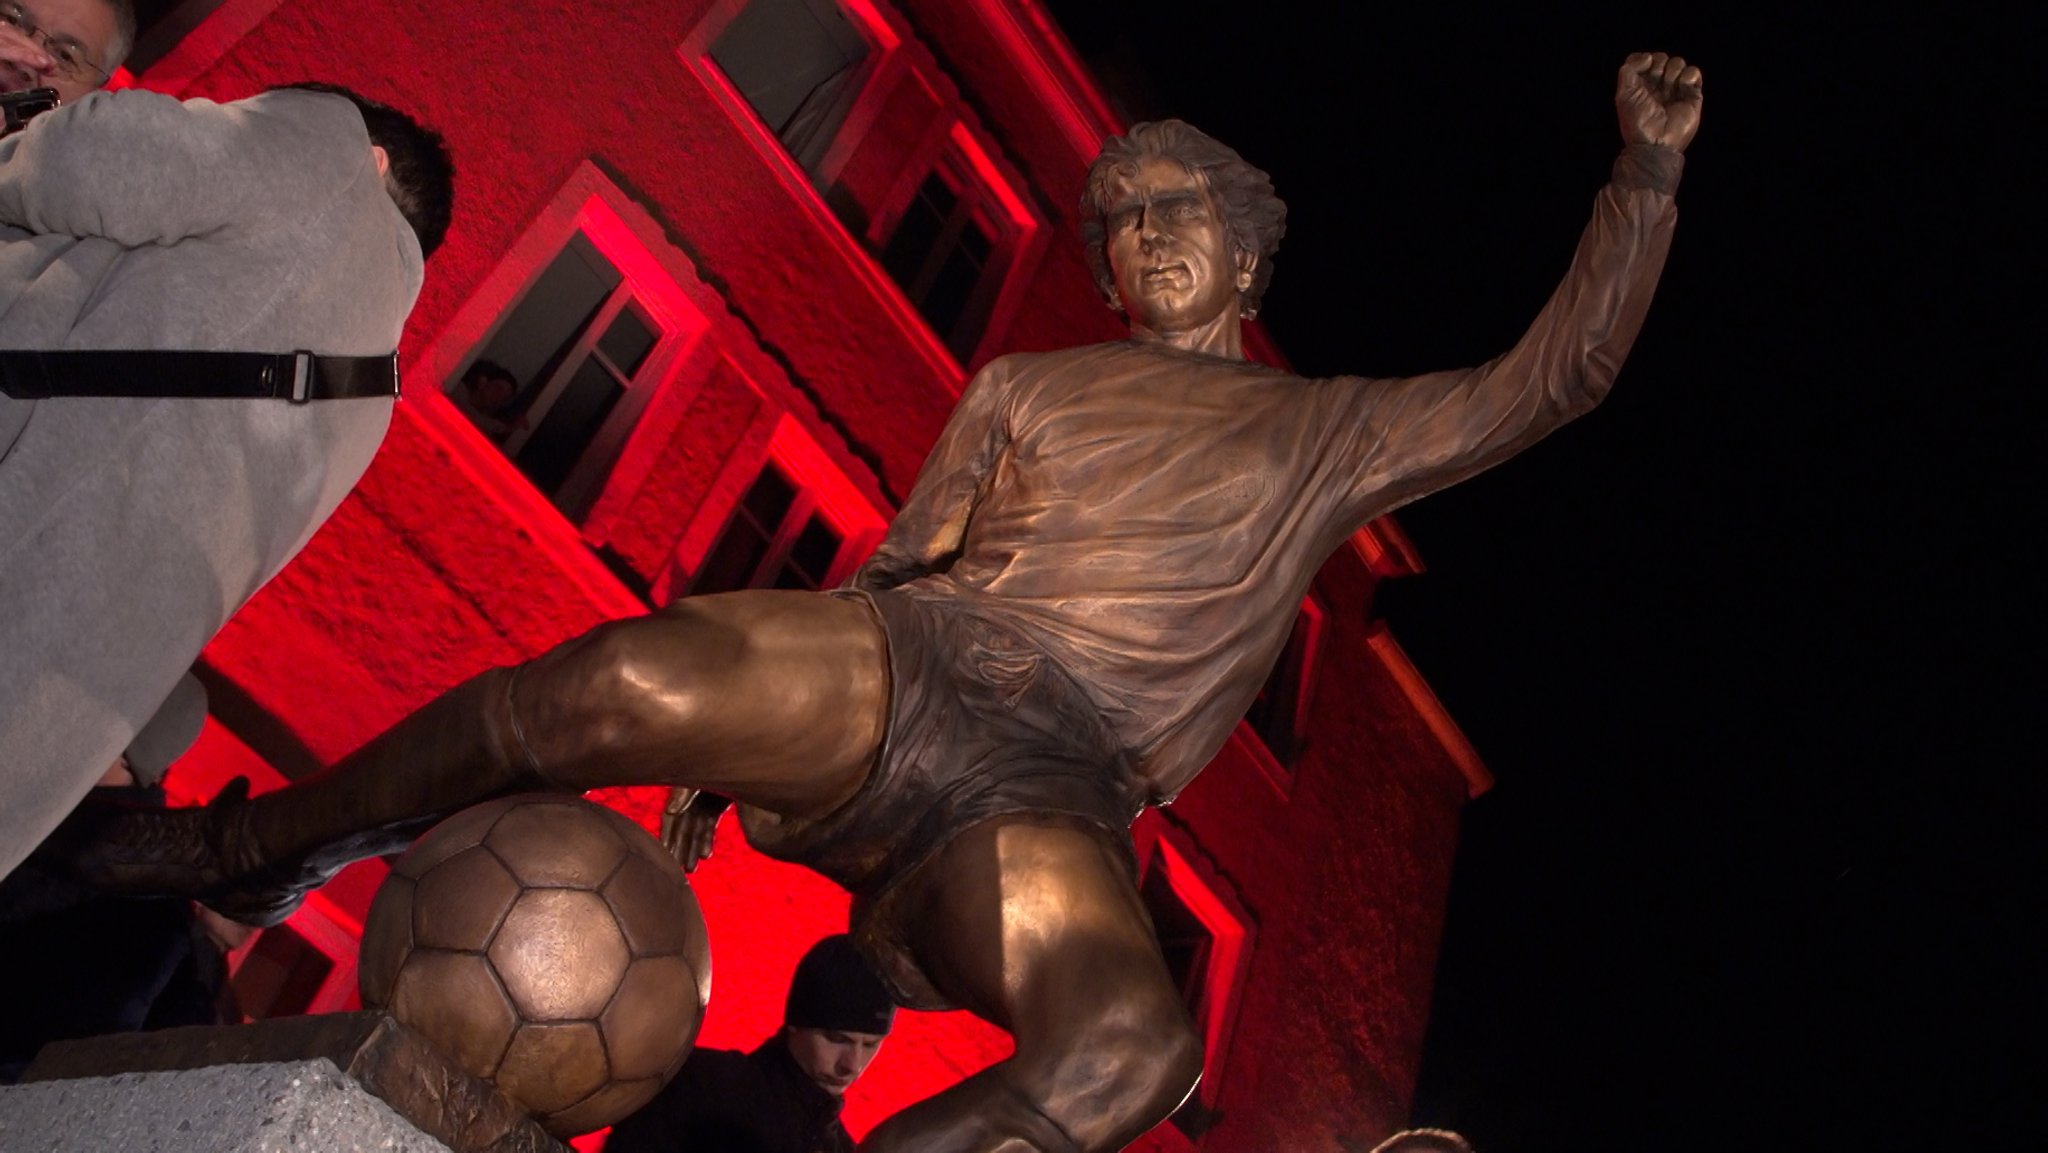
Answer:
(652, 285)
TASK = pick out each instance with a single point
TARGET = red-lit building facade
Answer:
(740, 256)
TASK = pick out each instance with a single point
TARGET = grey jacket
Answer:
(130, 530)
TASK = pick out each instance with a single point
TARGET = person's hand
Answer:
(689, 823)
(23, 63)
(226, 935)
(1658, 99)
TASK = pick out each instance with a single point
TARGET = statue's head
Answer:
(1253, 217)
(1424, 1141)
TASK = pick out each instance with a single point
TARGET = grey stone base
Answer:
(342, 1081)
(278, 1107)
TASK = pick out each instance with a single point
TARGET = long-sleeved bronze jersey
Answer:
(1152, 517)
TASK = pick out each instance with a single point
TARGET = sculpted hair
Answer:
(1424, 1141)
(1255, 218)
(421, 179)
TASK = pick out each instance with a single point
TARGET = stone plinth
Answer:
(340, 1081)
(269, 1107)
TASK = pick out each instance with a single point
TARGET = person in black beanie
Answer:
(783, 1097)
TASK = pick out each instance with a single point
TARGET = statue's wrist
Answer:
(1649, 166)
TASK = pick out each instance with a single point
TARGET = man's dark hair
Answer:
(1255, 218)
(422, 175)
(483, 370)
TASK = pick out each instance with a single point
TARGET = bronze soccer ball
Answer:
(550, 946)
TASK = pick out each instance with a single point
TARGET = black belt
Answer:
(294, 376)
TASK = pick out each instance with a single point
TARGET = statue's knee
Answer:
(620, 687)
(1174, 1062)
(1126, 1076)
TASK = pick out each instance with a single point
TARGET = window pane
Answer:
(734, 558)
(628, 341)
(1268, 706)
(1183, 939)
(769, 498)
(938, 254)
(924, 222)
(947, 300)
(793, 60)
(975, 244)
(280, 975)
(815, 549)
(547, 321)
(743, 544)
(571, 424)
(1275, 712)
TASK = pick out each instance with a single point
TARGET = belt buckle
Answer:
(302, 377)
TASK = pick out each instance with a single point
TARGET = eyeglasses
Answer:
(73, 60)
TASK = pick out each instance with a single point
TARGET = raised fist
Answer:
(1658, 99)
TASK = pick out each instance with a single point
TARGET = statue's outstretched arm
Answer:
(1428, 432)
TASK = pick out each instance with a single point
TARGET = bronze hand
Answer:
(1658, 99)
(688, 824)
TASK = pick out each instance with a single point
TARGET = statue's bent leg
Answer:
(1034, 924)
(778, 698)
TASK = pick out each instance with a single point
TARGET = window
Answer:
(280, 975)
(857, 112)
(800, 525)
(1183, 937)
(688, 408)
(775, 539)
(160, 25)
(1279, 715)
(1206, 942)
(577, 347)
(939, 253)
(799, 65)
(572, 345)
(948, 231)
(305, 965)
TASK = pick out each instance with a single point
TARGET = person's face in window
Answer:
(493, 392)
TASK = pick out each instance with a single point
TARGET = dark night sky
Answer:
(1748, 649)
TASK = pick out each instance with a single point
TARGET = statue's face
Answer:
(1175, 268)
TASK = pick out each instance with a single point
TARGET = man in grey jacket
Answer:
(131, 529)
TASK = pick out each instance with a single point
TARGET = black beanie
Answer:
(834, 989)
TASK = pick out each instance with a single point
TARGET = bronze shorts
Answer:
(982, 724)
